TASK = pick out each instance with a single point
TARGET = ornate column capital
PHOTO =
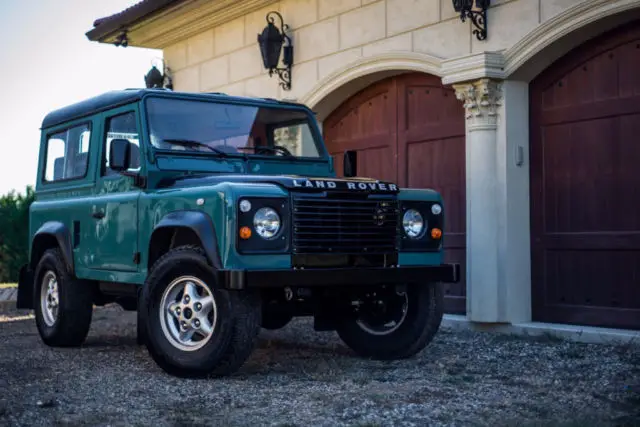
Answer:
(481, 100)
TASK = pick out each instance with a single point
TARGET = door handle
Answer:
(98, 214)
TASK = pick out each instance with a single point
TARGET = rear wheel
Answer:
(392, 324)
(193, 327)
(63, 304)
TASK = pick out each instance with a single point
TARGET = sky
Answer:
(47, 62)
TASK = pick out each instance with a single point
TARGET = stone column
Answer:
(481, 100)
(498, 276)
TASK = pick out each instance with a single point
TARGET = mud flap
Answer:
(140, 326)
(25, 288)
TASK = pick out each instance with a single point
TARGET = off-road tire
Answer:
(73, 321)
(236, 330)
(422, 321)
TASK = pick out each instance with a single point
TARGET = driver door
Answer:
(114, 210)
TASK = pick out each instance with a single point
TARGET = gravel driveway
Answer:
(299, 377)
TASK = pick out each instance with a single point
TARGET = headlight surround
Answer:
(425, 242)
(259, 242)
(413, 224)
(267, 223)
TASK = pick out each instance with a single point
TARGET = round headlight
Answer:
(413, 224)
(266, 221)
(436, 209)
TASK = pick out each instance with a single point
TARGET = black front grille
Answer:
(344, 225)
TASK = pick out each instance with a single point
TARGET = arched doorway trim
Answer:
(338, 86)
(561, 33)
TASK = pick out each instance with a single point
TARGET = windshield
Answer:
(228, 129)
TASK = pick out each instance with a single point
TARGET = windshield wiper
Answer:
(274, 149)
(193, 143)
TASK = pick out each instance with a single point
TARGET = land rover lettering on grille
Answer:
(345, 185)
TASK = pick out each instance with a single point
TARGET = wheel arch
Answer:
(184, 227)
(50, 235)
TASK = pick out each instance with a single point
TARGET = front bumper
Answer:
(325, 277)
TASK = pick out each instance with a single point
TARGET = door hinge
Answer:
(140, 181)
(136, 258)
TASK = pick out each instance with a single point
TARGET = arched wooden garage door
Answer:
(410, 129)
(585, 184)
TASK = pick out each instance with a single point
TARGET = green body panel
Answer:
(420, 195)
(219, 204)
(419, 258)
(104, 248)
(236, 166)
(66, 207)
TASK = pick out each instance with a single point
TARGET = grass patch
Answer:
(8, 285)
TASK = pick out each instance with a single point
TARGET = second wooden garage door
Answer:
(585, 184)
(410, 130)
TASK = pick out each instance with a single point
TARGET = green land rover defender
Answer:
(213, 216)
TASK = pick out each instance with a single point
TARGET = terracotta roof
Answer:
(105, 26)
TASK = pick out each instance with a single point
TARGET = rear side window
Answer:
(68, 154)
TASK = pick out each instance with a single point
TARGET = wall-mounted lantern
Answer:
(478, 17)
(122, 40)
(273, 42)
(156, 79)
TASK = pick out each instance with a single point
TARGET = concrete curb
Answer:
(8, 297)
(583, 334)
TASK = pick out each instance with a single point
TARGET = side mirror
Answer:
(120, 155)
(350, 165)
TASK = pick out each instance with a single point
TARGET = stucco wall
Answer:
(329, 34)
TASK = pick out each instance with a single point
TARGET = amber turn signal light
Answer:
(245, 233)
(436, 233)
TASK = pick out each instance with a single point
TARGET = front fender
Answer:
(198, 222)
(42, 240)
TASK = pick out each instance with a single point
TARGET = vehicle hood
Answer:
(290, 182)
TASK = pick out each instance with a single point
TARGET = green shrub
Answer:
(14, 233)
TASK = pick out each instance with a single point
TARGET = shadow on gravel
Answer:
(276, 344)
(98, 342)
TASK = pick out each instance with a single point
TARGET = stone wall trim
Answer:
(398, 61)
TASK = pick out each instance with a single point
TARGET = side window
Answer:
(123, 126)
(67, 154)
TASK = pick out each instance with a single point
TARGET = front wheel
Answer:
(193, 327)
(392, 324)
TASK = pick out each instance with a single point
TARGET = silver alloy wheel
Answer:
(188, 313)
(49, 298)
(391, 325)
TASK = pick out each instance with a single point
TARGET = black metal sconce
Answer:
(122, 40)
(156, 79)
(478, 17)
(273, 42)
